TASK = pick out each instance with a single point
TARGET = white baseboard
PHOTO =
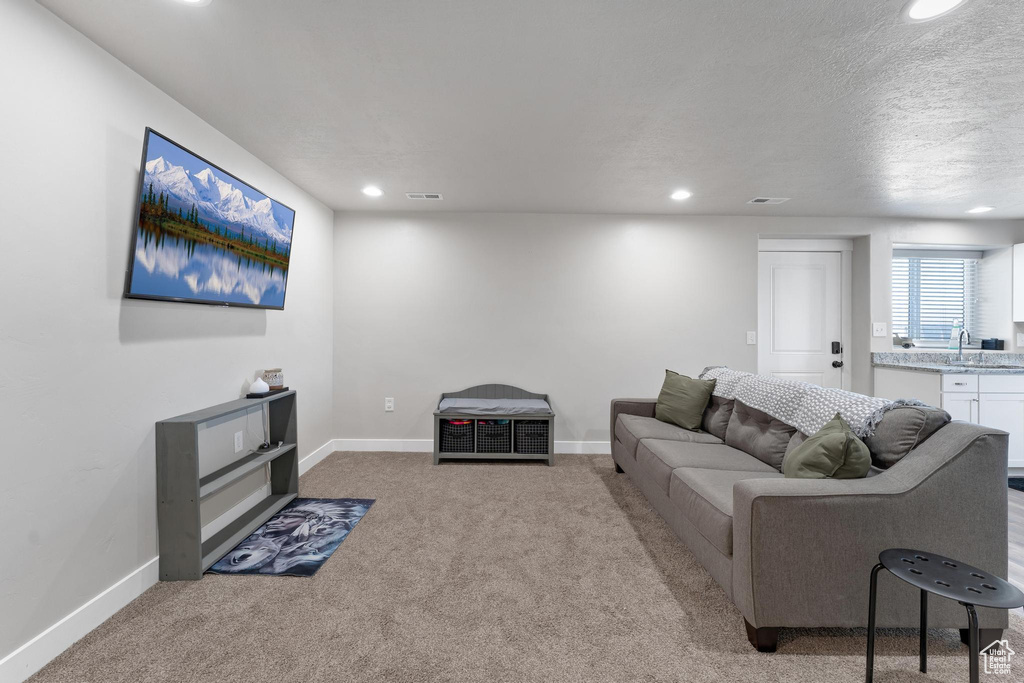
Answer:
(316, 456)
(427, 446)
(385, 445)
(584, 447)
(36, 653)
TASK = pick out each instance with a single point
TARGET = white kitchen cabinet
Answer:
(1006, 412)
(993, 400)
(960, 383)
(961, 406)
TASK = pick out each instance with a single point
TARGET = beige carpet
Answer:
(480, 572)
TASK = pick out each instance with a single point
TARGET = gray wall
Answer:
(583, 307)
(84, 374)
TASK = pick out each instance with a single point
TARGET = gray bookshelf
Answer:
(180, 489)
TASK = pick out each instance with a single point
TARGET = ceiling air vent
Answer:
(433, 196)
(768, 200)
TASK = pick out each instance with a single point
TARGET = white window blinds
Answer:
(931, 293)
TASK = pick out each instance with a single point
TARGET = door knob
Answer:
(837, 363)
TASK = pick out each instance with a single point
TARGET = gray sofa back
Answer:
(758, 434)
(763, 416)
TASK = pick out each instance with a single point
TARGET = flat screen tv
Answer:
(203, 236)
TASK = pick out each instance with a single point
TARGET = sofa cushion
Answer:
(716, 416)
(630, 429)
(683, 399)
(758, 434)
(705, 498)
(903, 429)
(834, 451)
(657, 459)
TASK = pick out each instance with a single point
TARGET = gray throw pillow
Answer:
(682, 400)
(833, 452)
(902, 430)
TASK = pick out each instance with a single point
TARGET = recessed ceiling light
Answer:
(372, 191)
(925, 10)
(982, 209)
(196, 3)
(680, 195)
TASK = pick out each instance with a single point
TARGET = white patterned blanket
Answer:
(799, 404)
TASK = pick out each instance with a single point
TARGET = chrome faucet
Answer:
(960, 345)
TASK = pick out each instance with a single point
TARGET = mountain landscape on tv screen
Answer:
(204, 235)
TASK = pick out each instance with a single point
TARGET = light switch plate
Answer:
(239, 442)
(1020, 339)
(879, 329)
(751, 337)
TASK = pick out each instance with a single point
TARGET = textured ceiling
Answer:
(598, 105)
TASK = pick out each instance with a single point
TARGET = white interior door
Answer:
(800, 315)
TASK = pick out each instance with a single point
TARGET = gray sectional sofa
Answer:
(798, 552)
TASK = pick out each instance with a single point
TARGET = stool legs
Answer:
(870, 674)
(924, 631)
(972, 618)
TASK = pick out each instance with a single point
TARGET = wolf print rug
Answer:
(297, 540)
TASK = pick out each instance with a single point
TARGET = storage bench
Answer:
(494, 422)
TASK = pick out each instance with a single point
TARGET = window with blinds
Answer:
(931, 293)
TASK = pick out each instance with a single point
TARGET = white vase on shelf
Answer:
(259, 386)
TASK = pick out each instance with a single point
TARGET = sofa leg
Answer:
(618, 470)
(763, 639)
(986, 636)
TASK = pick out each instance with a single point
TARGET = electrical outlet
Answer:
(1020, 339)
(878, 329)
(389, 405)
(751, 337)
(239, 442)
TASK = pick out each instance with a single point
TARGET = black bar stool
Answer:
(932, 573)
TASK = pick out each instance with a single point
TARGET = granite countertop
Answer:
(928, 361)
(952, 369)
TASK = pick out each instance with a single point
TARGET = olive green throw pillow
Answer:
(833, 452)
(682, 400)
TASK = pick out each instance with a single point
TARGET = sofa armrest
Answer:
(803, 549)
(643, 407)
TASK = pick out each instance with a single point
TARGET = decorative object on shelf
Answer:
(274, 377)
(297, 540)
(993, 344)
(259, 387)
